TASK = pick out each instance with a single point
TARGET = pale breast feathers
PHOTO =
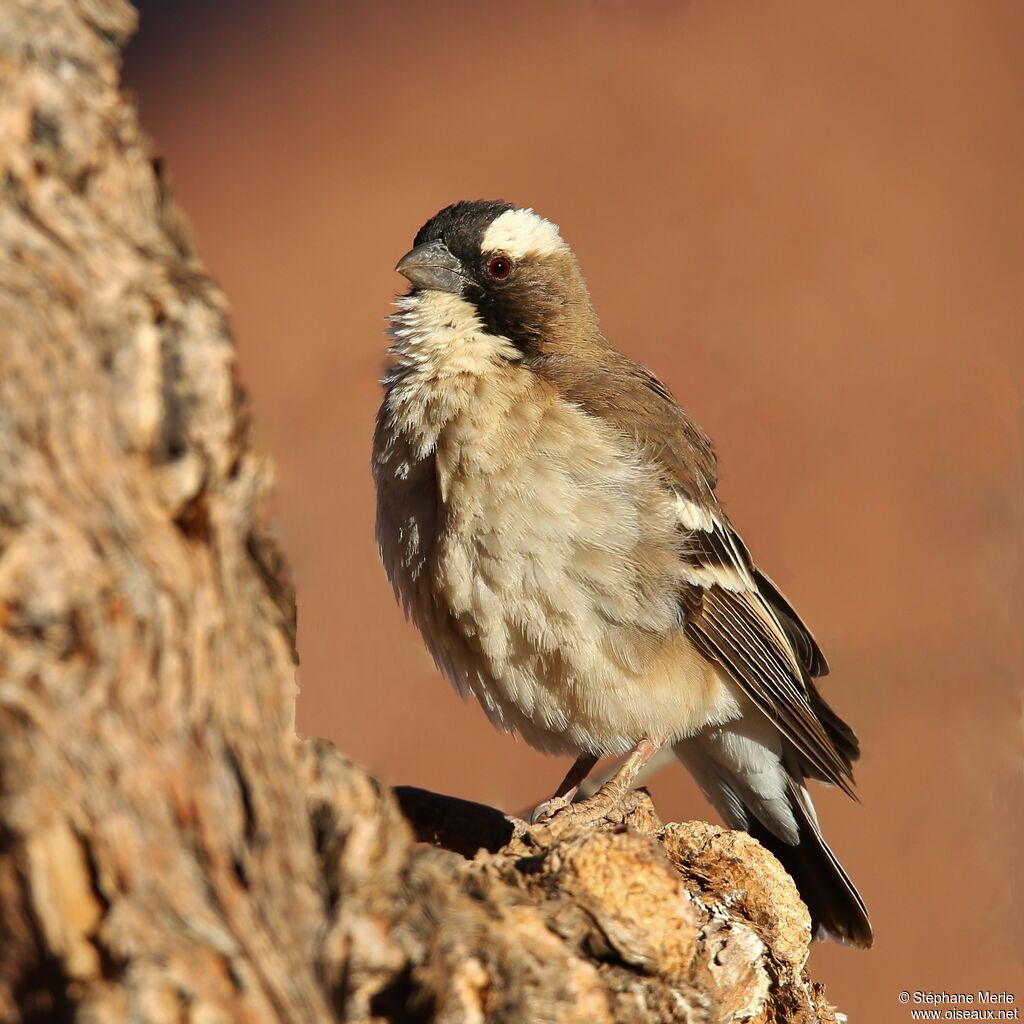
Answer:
(539, 557)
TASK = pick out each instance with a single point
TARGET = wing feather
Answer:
(733, 612)
(739, 629)
(764, 646)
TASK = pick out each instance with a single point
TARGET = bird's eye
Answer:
(499, 267)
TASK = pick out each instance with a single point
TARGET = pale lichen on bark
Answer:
(169, 850)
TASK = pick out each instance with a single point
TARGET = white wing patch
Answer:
(519, 233)
(726, 567)
(693, 516)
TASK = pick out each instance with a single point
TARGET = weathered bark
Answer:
(168, 849)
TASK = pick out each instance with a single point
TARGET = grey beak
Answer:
(432, 267)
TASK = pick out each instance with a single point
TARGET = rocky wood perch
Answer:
(169, 849)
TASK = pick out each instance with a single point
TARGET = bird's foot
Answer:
(594, 808)
(566, 791)
(543, 813)
(561, 811)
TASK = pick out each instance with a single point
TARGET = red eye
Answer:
(499, 267)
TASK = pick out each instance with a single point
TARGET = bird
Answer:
(547, 517)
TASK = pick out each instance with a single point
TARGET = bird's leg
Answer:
(562, 797)
(611, 793)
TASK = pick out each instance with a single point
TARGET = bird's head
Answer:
(511, 269)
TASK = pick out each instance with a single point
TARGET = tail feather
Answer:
(755, 781)
(835, 905)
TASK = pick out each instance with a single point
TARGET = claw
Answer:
(544, 812)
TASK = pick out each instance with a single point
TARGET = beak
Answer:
(432, 267)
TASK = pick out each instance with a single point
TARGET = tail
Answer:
(755, 780)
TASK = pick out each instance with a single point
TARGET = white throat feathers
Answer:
(443, 351)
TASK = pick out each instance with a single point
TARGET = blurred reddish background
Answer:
(807, 218)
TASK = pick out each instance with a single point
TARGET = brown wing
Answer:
(735, 614)
(804, 644)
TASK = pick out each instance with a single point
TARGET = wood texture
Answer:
(169, 850)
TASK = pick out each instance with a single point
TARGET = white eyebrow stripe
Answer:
(519, 233)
